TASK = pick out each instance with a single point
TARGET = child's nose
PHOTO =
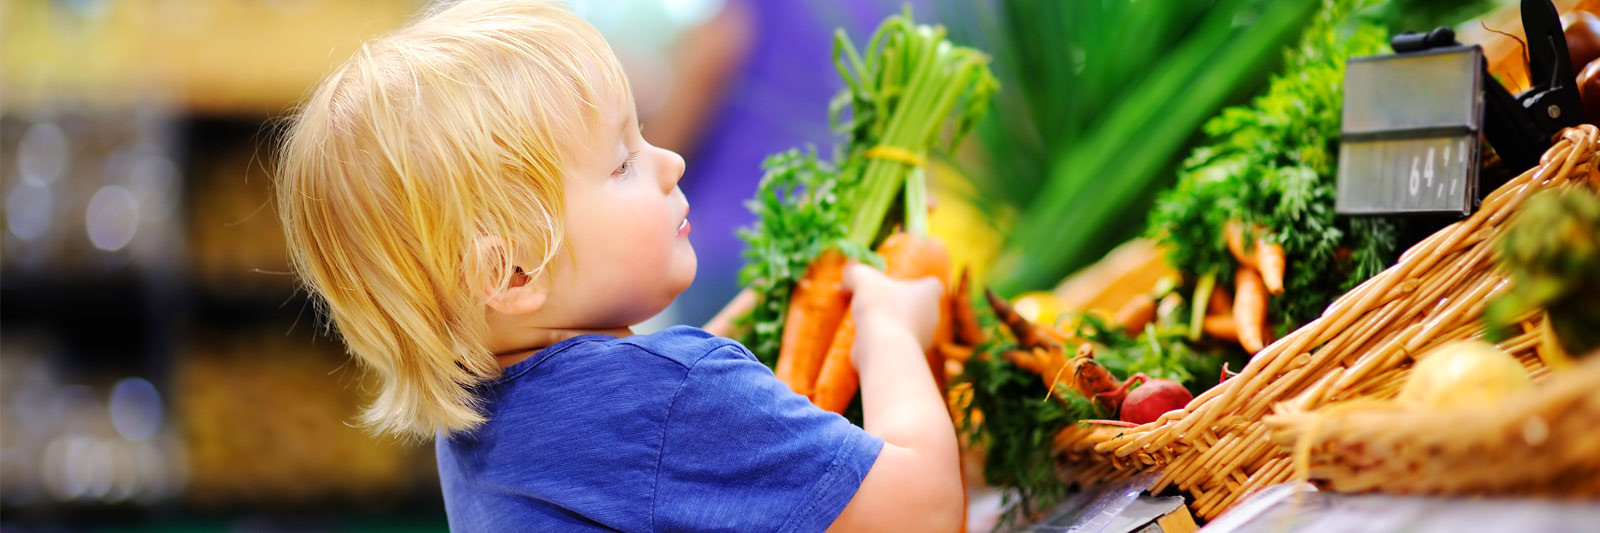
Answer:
(671, 169)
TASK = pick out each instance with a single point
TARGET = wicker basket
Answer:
(1541, 442)
(1218, 448)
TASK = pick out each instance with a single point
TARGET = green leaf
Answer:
(1271, 164)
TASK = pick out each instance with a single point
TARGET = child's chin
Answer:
(685, 276)
(677, 290)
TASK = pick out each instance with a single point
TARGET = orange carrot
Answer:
(838, 382)
(1220, 302)
(1136, 313)
(1045, 362)
(955, 352)
(1250, 309)
(816, 307)
(1089, 377)
(964, 334)
(1266, 259)
(1093, 380)
(1234, 235)
(1025, 359)
(964, 319)
(1269, 260)
(905, 257)
(1221, 327)
(1028, 335)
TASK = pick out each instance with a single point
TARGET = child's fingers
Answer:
(929, 284)
(927, 291)
(857, 274)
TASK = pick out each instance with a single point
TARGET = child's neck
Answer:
(525, 343)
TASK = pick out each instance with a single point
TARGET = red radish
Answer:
(1152, 399)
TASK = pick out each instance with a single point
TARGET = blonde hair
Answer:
(396, 170)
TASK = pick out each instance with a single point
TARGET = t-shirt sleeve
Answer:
(743, 453)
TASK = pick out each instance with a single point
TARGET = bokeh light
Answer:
(29, 207)
(112, 219)
(135, 408)
(42, 155)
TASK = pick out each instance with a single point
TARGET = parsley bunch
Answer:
(797, 205)
(1273, 165)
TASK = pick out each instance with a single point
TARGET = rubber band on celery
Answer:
(896, 154)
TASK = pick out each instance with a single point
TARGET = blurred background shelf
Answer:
(210, 58)
(159, 371)
(159, 365)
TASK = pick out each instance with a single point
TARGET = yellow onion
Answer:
(1464, 373)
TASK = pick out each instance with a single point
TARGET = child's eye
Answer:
(626, 166)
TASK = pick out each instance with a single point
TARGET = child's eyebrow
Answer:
(622, 126)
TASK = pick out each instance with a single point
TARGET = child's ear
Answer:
(523, 297)
(523, 294)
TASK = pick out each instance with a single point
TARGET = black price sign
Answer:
(1410, 133)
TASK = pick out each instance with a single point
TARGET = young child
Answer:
(472, 202)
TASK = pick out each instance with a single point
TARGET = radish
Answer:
(1152, 399)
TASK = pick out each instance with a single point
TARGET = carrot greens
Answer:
(909, 93)
(1272, 166)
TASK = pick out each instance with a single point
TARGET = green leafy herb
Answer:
(798, 216)
(1019, 420)
(1273, 165)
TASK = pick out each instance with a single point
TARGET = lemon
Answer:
(1038, 307)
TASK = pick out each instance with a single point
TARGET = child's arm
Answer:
(915, 484)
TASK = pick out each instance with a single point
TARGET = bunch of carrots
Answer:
(1260, 272)
(819, 332)
(911, 89)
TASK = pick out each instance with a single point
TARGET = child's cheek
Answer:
(642, 234)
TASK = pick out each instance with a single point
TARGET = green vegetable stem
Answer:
(910, 89)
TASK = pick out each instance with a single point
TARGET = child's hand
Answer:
(915, 484)
(880, 302)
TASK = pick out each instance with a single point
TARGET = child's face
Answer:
(627, 226)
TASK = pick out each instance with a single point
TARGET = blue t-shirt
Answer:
(675, 431)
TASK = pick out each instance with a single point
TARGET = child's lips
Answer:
(683, 227)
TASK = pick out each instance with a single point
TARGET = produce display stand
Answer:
(1296, 507)
(1222, 445)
